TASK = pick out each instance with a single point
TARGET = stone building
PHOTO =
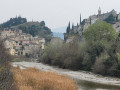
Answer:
(78, 29)
(22, 44)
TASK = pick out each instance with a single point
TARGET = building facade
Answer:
(22, 44)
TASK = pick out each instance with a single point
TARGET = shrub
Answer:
(51, 51)
(118, 55)
(99, 66)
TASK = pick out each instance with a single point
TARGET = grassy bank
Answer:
(33, 79)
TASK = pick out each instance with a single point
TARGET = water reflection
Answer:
(87, 85)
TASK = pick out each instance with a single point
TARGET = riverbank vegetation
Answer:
(6, 78)
(98, 52)
(30, 79)
(34, 79)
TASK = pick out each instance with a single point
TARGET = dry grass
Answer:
(34, 79)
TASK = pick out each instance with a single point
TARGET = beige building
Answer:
(18, 43)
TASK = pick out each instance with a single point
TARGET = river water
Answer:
(87, 85)
(84, 80)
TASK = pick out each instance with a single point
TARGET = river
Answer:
(85, 80)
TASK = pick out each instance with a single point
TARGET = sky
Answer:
(55, 13)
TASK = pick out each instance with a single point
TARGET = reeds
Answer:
(34, 79)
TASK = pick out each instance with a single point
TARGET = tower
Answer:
(99, 11)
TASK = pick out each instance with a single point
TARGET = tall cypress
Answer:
(80, 19)
(68, 28)
(72, 26)
(90, 21)
(77, 25)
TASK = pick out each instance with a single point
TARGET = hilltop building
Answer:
(79, 28)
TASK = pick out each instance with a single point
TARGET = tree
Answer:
(111, 19)
(68, 28)
(51, 51)
(36, 28)
(14, 22)
(100, 33)
(80, 19)
(42, 23)
(101, 37)
(6, 79)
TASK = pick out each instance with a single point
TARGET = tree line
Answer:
(98, 52)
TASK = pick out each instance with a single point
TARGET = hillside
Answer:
(111, 17)
(35, 28)
(13, 22)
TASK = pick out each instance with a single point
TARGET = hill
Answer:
(35, 28)
(111, 17)
(13, 22)
(60, 29)
(61, 35)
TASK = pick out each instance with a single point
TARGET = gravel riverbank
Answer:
(78, 75)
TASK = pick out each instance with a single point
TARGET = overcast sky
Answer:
(56, 13)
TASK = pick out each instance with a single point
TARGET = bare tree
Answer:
(5, 74)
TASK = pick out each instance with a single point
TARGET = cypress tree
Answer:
(72, 26)
(68, 28)
(77, 25)
(80, 19)
(90, 21)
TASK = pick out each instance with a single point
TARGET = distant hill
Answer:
(60, 29)
(33, 28)
(61, 35)
(13, 22)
